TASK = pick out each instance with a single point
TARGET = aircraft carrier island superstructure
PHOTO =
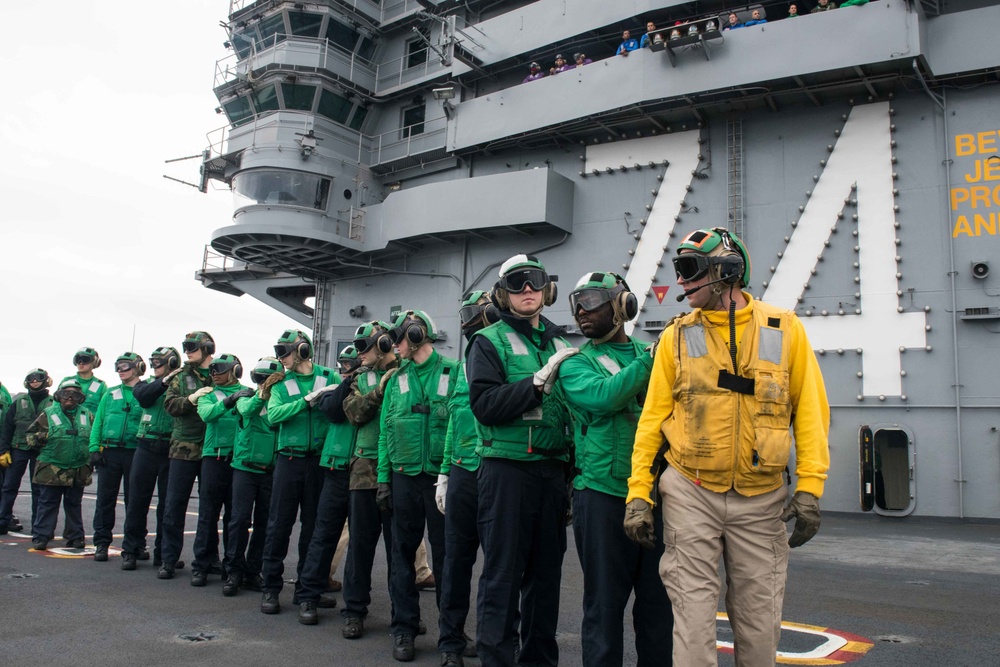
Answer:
(389, 155)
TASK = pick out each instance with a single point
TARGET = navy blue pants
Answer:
(150, 470)
(331, 515)
(20, 459)
(614, 566)
(251, 502)
(115, 468)
(182, 476)
(522, 526)
(49, 498)
(296, 489)
(413, 507)
(366, 523)
(461, 544)
(214, 495)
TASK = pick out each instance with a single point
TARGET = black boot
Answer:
(101, 553)
(128, 561)
(233, 583)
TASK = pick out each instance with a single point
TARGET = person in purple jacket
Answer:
(581, 59)
(560, 66)
(535, 73)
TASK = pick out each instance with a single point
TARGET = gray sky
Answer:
(94, 240)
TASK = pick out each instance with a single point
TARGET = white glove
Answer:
(545, 377)
(441, 492)
(313, 396)
(193, 398)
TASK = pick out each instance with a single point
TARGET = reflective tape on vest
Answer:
(694, 337)
(517, 345)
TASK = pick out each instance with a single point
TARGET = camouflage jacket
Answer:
(63, 440)
(189, 430)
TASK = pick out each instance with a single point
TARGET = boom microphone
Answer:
(686, 294)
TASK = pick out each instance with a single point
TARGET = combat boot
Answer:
(39, 545)
(452, 660)
(166, 572)
(128, 561)
(270, 604)
(15, 525)
(79, 543)
(354, 627)
(199, 578)
(402, 648)
(233, 583)
(101, 553)
(307, 613)
(144, 555)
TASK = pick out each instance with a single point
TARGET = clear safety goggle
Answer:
(589, 299)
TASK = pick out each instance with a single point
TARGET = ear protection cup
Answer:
(238, 369)
(48, 382)
(173, 362)
(209, 347)
(730, 269)
(549, 293)
(141, 366)
(304, 350)
(415, 334)
(490, 315)
(499, 298)
(383, 343)
(628, 305)
(97, 360)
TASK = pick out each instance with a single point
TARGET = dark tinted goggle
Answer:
(469, 314)
(156, 362)
(515, 281)
(36, 377)
(258, 378)
(124, 366)
(282, 350)
(589, 299)
(71, 395)
(692, 266)
(82, 359)
(349, 365)
(362, 345)
(219, 368)
(190, 346)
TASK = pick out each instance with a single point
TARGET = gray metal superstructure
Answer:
(389, 155)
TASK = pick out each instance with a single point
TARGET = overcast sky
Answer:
(94, 240)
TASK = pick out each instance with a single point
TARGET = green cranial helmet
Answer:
(198, 340)
(129, 361)
(517, 274)
(224, 363)
(477, 311)
(37, 375)
(265, 366)
(348, 360)
(373, 334)
(593, 290)
(69, 390)
(293, 340)
(87, 355)
(165, 356)
(415, 325)
(717, 242)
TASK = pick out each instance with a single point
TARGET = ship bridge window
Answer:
(367, 49)
(358, 119)
(266, 99)
(416, 50)
(305, 24)
(297, 96)
(281, 187)
(238, 110)
(333, 106)
(413, 121)
(271, 30)
(242, 44)
(341, 35)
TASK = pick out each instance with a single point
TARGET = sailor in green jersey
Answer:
(412, 428)
(86, 361)
(362, 408)
(297, 480)
(15, 455)
(253, 467)
(604, 387)
(112, 447)
(150, 465)
(512, 367)
(217, 409)
(458, 493)
(4, 404)
(331, 513)
(61, 434)
(186, 439)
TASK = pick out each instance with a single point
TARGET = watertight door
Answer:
(866, 443)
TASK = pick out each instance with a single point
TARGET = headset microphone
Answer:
(691, 291)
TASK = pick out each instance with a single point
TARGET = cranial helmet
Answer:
(414, 325)
(348, 360)
(718, 251)
(225, 363)
(265, 366)
(199, 340)
(293, 340)
(37, 375)
(67, 389)
(373, 334)
(85, 355)
(132, 360)
(519, 272)
(165, 356)
(477, 312)
(593, 290)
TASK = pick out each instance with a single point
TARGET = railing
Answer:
(389, 10)
(213, 261)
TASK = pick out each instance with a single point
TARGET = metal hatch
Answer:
(887, 462)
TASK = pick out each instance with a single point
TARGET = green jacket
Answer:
(414, 418)
(116, 423)
(221, 424)
(63, 440)
(536, 435)
(93, 390)
(189, 430)
(25, 413)
(5, 401)
(155, 423)
(256, 440)
(301, 430)
(605, 386)
(462, 439)
(363, 411)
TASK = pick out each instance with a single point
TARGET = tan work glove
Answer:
(545, 377)
(194, 396)
(804, 508)
(639, 523)
(383, 383)
(265, 386)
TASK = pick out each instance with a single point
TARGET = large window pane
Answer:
(304, 24)
(358, 119)
(367, 49)
(333, 106)
(238, 110)
(281, 187)
(271, 30)
(297, 96)
(413, 121)
(242, 44)
(266, 99)
(416, 53)
(341, 35)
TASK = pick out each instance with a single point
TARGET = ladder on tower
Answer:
(734, 160)
(321, 341)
